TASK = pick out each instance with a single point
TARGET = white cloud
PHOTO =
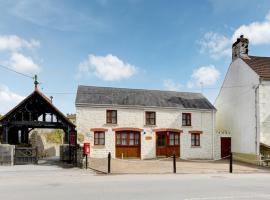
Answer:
(218, 45)
(108, 68)
(204, 76)
(171, 85)
(13, 43)
(23, 64)
(8, 99)
(256, 32)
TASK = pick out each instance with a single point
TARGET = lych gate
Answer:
(36, 111)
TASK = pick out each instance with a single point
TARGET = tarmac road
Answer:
(52, 182)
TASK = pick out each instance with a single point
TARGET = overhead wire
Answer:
(20, 73)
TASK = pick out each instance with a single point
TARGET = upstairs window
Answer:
(99, 138)
(111, 117)
(150, 118)
(195, 139)
(186, 119)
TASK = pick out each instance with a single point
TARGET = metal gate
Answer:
(26, 155)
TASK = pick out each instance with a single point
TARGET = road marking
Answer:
(230, 197)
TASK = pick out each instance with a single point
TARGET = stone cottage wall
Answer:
(95, 117)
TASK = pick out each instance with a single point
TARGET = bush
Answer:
(55, 136)
(80, 137)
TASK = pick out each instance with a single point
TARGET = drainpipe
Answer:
(256, 119)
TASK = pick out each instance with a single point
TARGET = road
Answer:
(52, 182)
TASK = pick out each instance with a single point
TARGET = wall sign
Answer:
(148, 137)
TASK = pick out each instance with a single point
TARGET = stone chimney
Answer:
(240, 48)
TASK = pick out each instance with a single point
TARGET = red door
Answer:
(225, 146)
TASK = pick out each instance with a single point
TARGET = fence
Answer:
(159, 166)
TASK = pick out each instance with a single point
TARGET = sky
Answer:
(179, 45)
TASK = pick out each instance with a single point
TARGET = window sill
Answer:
(196, 147)
(109, 124)
(187, 126)
(99, 146)
(150, 126)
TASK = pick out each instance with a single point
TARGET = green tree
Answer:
(55, 136)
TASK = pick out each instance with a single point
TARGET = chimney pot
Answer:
(240, 48)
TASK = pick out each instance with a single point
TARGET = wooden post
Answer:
(174, 163)
(86, 161)
(109, 163)
(36, 162)
(5, 135)
(231, 162)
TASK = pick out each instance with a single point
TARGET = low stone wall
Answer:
(80, 158)
(64, 152)
(247, 158)
(7, 154)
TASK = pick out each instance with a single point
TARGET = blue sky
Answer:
(154, 44)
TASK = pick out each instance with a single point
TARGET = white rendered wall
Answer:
(235, 106)
(264, 114)
(95, 117)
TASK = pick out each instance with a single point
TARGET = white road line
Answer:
(230, 197)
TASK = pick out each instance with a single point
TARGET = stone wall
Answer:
(7, 154)
(95, 117)
(64, 152)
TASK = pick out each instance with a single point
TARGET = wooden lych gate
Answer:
(35, 111)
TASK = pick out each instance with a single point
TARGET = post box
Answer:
(86, 148)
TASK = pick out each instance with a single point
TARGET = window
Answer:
(195, 139)
(174, 139)
(186, 119)
(111, 117)
(150, 118)
(128, 138)
(99, 138)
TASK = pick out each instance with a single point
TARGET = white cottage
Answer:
(145, 123)
(243, 104)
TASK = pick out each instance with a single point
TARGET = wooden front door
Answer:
(128, 144)
(167, 144)
(225, 146)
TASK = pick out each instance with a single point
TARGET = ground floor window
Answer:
(99, 137)
(195, 139)
(174, 139)
(127, 138)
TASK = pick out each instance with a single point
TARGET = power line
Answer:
(12, 70)
(205, 88)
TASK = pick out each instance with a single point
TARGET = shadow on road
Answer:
(54, 161)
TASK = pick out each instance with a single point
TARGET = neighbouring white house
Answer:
(145, 124)
(243, 104)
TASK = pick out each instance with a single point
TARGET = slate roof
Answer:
(261, 65)
(92, 95)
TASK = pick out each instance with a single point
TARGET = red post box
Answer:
(86, 148)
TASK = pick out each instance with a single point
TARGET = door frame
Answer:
(127, 146)
(167, 138)
(229, 138)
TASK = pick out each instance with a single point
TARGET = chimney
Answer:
(240, 48)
